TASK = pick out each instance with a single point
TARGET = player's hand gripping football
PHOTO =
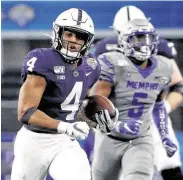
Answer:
(130, 127)
(77, 130)
(169, 146)
(106, 123)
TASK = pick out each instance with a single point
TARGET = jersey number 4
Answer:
(30, 64)
(74, 94)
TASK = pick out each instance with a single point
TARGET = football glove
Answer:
(130, 127)
(169, 146)
(77, 130)
(106, 123)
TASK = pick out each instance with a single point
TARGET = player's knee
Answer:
(172, 174)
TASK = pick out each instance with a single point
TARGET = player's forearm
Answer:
(160, 117)
(174, 99)
(33, 116)
(41, 119)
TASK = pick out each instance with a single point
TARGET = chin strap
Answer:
(69, 61)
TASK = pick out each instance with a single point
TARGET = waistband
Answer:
(39, 130)
(120, 138)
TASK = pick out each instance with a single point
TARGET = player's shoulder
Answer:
(167, 48)
(40, 61)
(41, 52)
(38, 53)
(91, 62)
(44, 56)
(163, 62)
(116, 58)
(162, 59)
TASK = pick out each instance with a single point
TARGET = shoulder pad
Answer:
(37, 62)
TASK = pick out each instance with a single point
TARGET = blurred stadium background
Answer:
(24, 25)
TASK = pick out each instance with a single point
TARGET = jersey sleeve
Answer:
(107, 69)
(35, 63)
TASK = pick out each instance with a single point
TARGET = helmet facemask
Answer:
(139, 40)
(142, 45)
(62, 45)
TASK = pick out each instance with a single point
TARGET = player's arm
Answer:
(175, 97)
(102, 88)
(160, 118)
(29, 98)
(107, 78)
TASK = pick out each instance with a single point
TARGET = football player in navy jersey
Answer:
(55, 82)
(170, 168)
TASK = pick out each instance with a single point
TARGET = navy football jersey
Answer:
(66, 87)
(165, 48)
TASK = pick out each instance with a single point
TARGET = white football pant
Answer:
(36, 154)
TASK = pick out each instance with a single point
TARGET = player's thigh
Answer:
(138, 162)
(106, 163)
(27, 163)
(70, 163)
(22, 171)
(109, 171)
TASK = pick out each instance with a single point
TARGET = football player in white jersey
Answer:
(169, 168)
(134, 79)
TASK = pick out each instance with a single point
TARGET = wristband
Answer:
(62, 127)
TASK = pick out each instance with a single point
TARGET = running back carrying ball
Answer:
(95, 104)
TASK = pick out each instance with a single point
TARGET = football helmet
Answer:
(125, 14)
(77, 21)
(138, 39)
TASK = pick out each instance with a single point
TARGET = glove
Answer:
(105, 123)
(77, 130)
(169, 146)
(130, 127)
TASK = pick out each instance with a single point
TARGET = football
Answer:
(95, 104)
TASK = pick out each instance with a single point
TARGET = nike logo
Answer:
(157, 77)
(128, 129)
(87, 74)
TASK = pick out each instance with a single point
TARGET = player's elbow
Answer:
(21, 112)
(24, 115)
(178, 87)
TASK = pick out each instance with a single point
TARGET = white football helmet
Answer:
(125, 14)
(138, 39)
(75, 20)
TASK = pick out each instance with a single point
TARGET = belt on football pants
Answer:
(121, 139)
